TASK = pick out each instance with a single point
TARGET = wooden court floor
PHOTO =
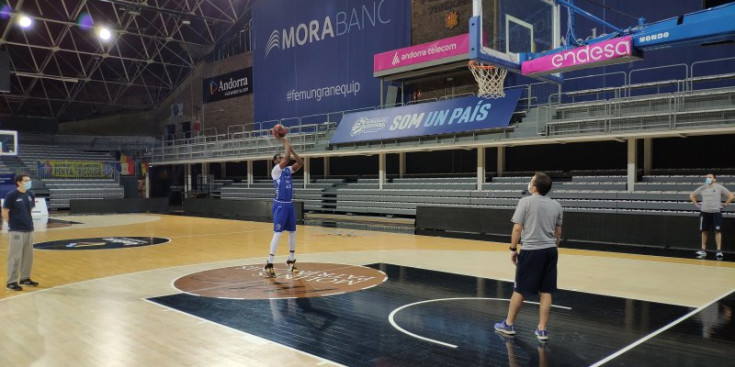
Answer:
(90, 308)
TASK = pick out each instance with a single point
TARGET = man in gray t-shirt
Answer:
(710, 215)
(539, 216)
(537, 220)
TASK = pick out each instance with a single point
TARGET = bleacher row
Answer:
(653, 195)
(58, 192)
(659, 111)
(33, 153)
(302, 138)
(61, 191)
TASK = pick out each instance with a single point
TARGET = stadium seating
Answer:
(400, 197)
(59, 191)
(660, 111)
(63, 190)
(302, 138)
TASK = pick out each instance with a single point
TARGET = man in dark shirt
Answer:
(17, 213)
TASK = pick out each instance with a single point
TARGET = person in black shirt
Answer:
(17, 213)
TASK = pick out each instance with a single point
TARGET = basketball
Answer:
(279, 131)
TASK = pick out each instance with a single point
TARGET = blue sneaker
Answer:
(542, 335)
(504, 328)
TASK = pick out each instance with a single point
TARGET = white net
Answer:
(490, 79)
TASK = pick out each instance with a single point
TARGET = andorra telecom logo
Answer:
(396, 59)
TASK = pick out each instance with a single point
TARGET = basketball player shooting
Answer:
(284, 214)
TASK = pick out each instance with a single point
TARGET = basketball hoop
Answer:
(489, 78)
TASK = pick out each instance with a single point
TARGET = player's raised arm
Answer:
(287, 154)
(299, 162)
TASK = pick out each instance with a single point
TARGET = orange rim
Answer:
(474, 64)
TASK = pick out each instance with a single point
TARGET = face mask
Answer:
(529, 187)
(708, 181)
(27, 185)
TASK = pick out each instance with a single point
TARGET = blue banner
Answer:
(444, 117)
(316, 57)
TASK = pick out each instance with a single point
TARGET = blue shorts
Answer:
(284, 217)
(710, 222)
(536, 271)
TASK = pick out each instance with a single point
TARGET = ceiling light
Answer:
(24, 21)
(105, 34)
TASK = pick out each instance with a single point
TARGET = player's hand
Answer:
(514, 258)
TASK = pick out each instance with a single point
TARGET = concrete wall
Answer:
(429, 19)
(429, 22)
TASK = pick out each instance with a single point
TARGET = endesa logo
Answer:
(605, 52)
(592, 53)
(355, 19)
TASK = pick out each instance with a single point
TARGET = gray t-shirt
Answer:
(711, 197)
(539, 216)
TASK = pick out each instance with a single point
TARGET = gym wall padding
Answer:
(583, 228)
(254, 210)
(116, 206)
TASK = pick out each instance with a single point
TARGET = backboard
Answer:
(8, 142)
(510, 27)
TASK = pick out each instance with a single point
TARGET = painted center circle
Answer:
(249, 281)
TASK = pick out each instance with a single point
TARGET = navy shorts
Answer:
(284, 217)
(536, 271)
(710, 221)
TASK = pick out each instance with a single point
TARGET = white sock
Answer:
(291, 245)
(274, 246)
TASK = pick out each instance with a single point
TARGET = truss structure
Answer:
(62, 70)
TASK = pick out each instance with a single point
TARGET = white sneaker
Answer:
(701, 254)
(720, 255)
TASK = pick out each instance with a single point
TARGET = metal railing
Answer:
(238, 144)
(683, 79)
(300, 123)
(615, 91)
(420, 101)
(673, 111)
(706, 65)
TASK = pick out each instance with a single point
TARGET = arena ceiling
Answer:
(61, 68)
